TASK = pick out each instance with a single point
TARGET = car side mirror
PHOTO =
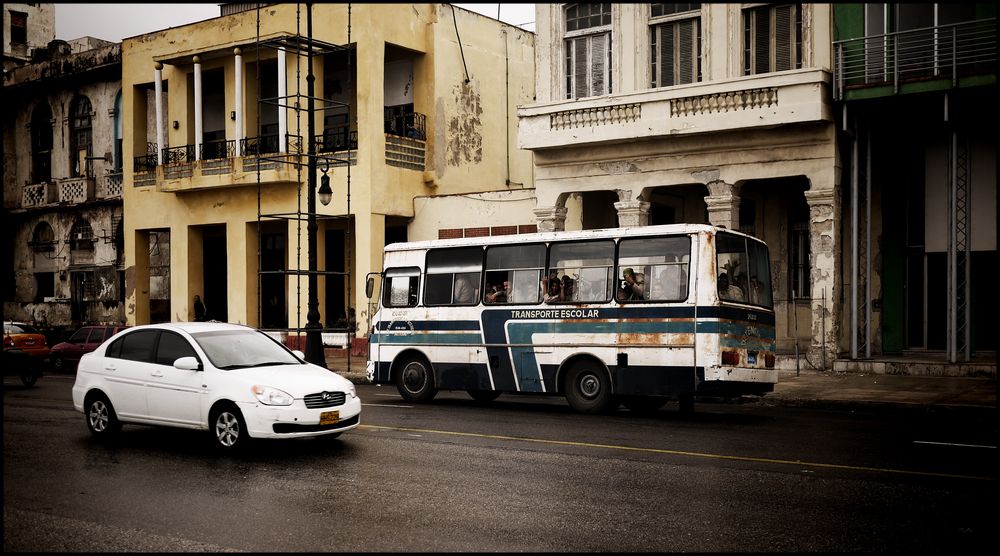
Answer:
(369, 287)
(298, 354)
(187, 364)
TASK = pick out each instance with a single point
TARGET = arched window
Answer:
(41, 143)
(81, 136)
(43, 238)
(81, 235)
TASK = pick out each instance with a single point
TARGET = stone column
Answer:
(551, 219)
(824, 245)
(197, 109)
(632, 213)
(160, 143)
(239, 101)
(723, 202)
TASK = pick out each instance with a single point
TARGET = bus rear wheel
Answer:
(415, 381)
(588, 388)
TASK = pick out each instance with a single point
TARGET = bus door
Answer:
(400, 291)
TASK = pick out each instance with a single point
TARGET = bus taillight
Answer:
(730, 357)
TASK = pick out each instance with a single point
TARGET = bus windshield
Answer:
(744, 274)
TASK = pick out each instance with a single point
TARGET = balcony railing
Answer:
(336, 140)
(943, 52)
(145, 163)
(178, 155)
(212, 150)
(412, 125)
(111, 185)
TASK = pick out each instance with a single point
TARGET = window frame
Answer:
(512, 273)
(400, 272)
(587, 34)
(609, 285)
(655, 66)
(749, 34)
(648, 289)
(476, 298)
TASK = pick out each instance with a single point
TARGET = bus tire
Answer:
(484, 395)
(588, 388)
(415, 380)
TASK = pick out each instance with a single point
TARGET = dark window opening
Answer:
(18, 28)
(45, 286)
(41, 143)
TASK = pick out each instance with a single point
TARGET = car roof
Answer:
(192, 327)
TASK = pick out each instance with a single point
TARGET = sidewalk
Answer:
(830, 388)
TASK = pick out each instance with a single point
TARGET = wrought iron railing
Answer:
(178, 155)
(943, 52)
(412, 125)
(295, 144)
(334, 140)
(265, 144)
(146, 163)
(213, 150)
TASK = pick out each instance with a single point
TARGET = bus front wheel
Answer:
(415, 381)
(588, 388)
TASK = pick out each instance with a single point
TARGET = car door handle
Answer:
(156, 373)
(109, 367)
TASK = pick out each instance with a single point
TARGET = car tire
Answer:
(484, 395)
(58, 364)
(588, 388)
(102, 421)
(228, 428)
(29, 377)
(415, 380)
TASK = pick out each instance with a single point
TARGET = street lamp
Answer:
(325, 193)
(314, 338)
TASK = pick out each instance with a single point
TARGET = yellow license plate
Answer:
(329, 417)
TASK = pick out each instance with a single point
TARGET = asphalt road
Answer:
(518, 474)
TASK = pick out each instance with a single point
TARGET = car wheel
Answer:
(643, 404)
(484, 395)
(101, 418)
(588, 388)
(58, 364)
(229, 430)
(29, 378)
(415, 381)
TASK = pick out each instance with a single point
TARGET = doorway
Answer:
(215, 276)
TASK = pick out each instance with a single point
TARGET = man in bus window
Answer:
(633, 286)
(729, 291)
(464, 290)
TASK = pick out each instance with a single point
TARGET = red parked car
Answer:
(66, 355)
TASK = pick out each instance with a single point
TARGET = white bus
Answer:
(636, 316)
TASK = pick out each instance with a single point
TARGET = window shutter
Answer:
(783, 38)
(580, 88)
(598, 65)
(762, 36)
(686, 52)
(666, 55)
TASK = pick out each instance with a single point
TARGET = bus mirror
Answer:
(369, 287)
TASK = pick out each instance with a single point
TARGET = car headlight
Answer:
(271, 396)
(352, 390)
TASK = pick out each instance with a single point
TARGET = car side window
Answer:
(115, 349)
(172, 347)
(80, 336)
(97, 335)
(138, 346)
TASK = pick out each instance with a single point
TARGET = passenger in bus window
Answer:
(498, 293)
(465, 292)
(568, 289)
(554, 292)
(729, 291)
(632, 287)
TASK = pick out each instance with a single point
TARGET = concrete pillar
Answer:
(632, 213)
(824, 245)
(239, 101)
(160, 143)
(282, 91)
(197, 109)
(723, 201)
(551, 219)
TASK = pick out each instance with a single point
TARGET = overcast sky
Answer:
(114, 22)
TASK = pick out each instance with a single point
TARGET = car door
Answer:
(126, 368)
(174, 395)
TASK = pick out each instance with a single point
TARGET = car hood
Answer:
(297, 380)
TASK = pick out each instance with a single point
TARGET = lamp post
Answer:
(314, 338)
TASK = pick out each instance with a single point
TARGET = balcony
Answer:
(759, 101)
(38, 194)
(110, 186)
(932, 58)
(76, 190)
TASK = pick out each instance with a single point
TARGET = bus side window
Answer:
(401, 287)
(453, 276)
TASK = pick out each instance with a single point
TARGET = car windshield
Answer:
(239, 349)
(11, 328)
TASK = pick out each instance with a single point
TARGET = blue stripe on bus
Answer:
(404, 324)
(418, 338)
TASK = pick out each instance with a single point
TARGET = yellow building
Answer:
(412, 101)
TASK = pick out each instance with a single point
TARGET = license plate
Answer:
(329, 417)
(751, 358)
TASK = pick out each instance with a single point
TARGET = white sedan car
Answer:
(232, 380)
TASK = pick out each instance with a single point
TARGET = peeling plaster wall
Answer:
(41, 30)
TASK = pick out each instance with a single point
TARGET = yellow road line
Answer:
(678, 453)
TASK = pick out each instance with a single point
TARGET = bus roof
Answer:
(541, 237)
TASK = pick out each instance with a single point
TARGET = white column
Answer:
(551, 219)
(282, 88)
(239, 102)
(160, 144)
(632, 213)
(723, 203)
(197, 108)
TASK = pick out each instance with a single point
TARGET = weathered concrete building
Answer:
(414, 103)
(26, 27)
(63, 184)
(720, 113)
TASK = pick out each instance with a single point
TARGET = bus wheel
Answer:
(644, 404)
(484, 395)
(588, 388)
(686, 402)
(415, 381)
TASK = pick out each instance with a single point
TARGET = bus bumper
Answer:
(741, 374)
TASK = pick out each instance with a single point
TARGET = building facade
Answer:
(63, 185)
(412, 103)
(701, 113)
(914, 84)
(26, 27)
